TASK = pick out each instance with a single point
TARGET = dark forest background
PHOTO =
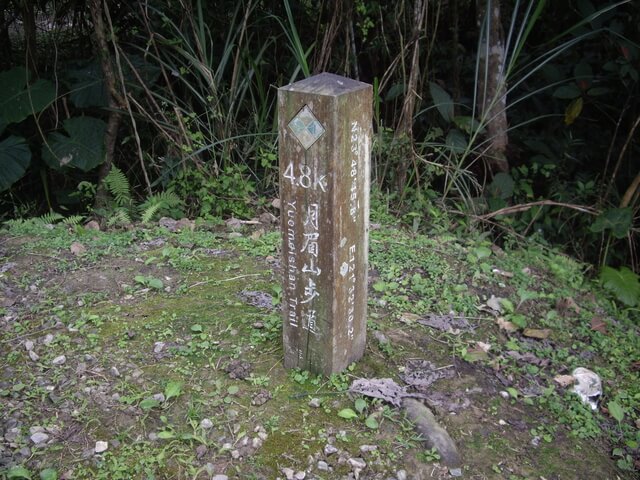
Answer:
(512, 117)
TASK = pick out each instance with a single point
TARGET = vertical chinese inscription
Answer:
(324, 138)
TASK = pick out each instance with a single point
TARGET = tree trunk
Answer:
(455, 47)
(5, 41)
(115, 99)
(324, 54)
(404, 130)
(491, 85)
(28, 13)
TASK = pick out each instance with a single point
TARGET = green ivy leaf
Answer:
(442, 101)
(347, 413)
(197, 328)
(83, 148)
(623, 283)
(482, 252)
(618, 220)
(173, 389)
(615, 410)
(371, 422)
(18, 472)
(166, 435)
(15, 158)
(360, 405)
(501, 187)
(155, 283)
(18, 100)
(513, 393)
(467, 124)
(567, 92)
(149, 403)
(456, 141)
(48, 474)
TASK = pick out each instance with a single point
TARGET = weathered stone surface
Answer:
(434, 435)
(325, 141)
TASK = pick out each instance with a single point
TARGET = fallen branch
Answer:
(527, 206)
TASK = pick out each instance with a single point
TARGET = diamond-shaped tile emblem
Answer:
(306, 127)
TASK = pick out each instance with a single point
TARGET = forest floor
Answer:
(146, 353)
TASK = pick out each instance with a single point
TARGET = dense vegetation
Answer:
(521, 117)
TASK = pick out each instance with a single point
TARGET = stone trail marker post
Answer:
(324, 129)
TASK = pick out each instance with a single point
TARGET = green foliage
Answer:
(19, 99)
(82, 149)
(15, 157)
(159, 204)
(18, 473)
(442, 101)
(623, 283)
(118, 185)
(207, 196)
(618, 220)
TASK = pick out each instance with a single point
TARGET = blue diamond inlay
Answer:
(306, 127)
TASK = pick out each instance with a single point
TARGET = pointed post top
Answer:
(326, 84)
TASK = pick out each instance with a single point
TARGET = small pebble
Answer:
(114, 371)
(300, 475)
(47, 339)
(28, 345)
(39, 438)
(323, 466)
(314, 403)
(33, 356)
(235, 454)
(206, 424)
(357, 463)
(401, 475)
(368, 448)
(288, 473)
(159, 397)
(158, 347)
(101, 446)
(329, 449)
(59, 360)
(220, 477)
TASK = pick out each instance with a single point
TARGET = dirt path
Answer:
(150, 354)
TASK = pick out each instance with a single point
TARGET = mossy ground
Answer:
(127, 338)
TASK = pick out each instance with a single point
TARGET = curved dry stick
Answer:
(526, 206)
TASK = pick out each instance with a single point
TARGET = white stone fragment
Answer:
(39, 438)
(206, 424)
(357, 463)
(288, 473)
(329, 449)
(101, 446)
(59, 360)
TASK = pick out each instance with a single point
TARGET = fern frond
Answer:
(73, 220)
(13, 223)
(118, 185)
(149, 212)
(163, 200)
(119, 218)
(48, 218)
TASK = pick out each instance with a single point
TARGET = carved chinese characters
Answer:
(324, 149)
